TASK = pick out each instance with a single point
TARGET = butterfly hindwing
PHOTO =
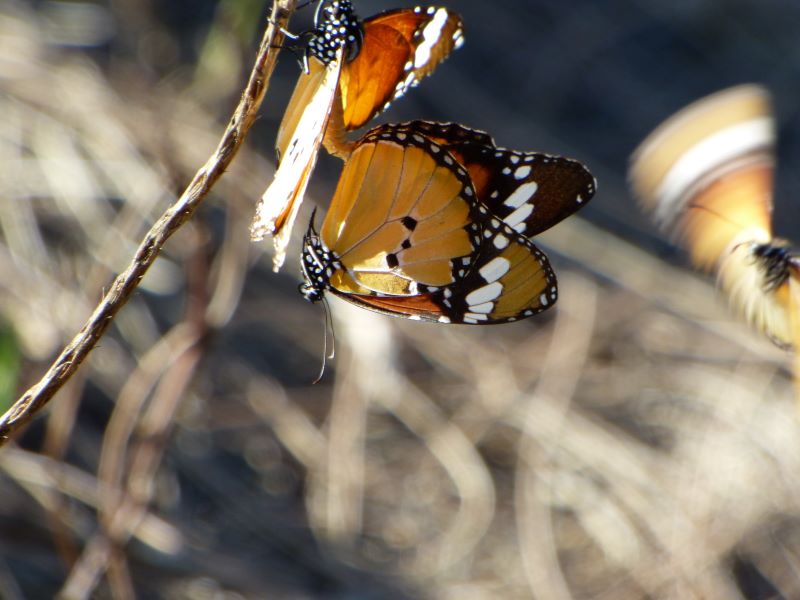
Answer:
(503, 285)
(508, 279)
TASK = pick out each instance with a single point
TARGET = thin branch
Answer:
(125, 284)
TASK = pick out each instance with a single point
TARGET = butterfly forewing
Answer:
(400, 48)
(531, 192)
(706, 172)
(368, 83)
(729, 209)
(447, 133)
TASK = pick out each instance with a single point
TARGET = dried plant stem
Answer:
(125, 284)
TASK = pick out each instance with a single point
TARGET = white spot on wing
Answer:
(484, 308)
(494, 269)
(521, 194)
(519, 215)
(522, 172)
(500, 241)
(708, 154)
(430, 37)
(458, 39)
(487, 293)
(472, 317)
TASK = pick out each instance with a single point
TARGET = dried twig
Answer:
(176, 215)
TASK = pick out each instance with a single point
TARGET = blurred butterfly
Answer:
(353, 71)
(427, 223)
(706, 175)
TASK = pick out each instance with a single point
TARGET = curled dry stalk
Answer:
(67, 363)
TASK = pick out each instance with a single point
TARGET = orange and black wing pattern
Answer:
(706, 177)
(530, 191)
(406, 235)
(382, 57)
(399, 48)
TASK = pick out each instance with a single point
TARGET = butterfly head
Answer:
(317, 265)
(336, 25)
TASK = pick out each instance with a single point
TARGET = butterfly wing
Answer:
(298, 143)
(399, 217)
(706, 173)
(405, 236)
(509, 279)
(307, 119)
(503, 285)
(529, 191)
(399, 48)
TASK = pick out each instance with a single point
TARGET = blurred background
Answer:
(636, 442)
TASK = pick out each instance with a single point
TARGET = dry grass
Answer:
(636, 443)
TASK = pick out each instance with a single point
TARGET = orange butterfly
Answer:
(430, 222)
(706, 174)
(353, 71)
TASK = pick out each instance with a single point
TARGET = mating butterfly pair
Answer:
(429, 221)
(706, 175)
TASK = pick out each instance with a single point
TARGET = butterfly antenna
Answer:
(329, 324)
(304, 4)
(692, 205)
(325, 355)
